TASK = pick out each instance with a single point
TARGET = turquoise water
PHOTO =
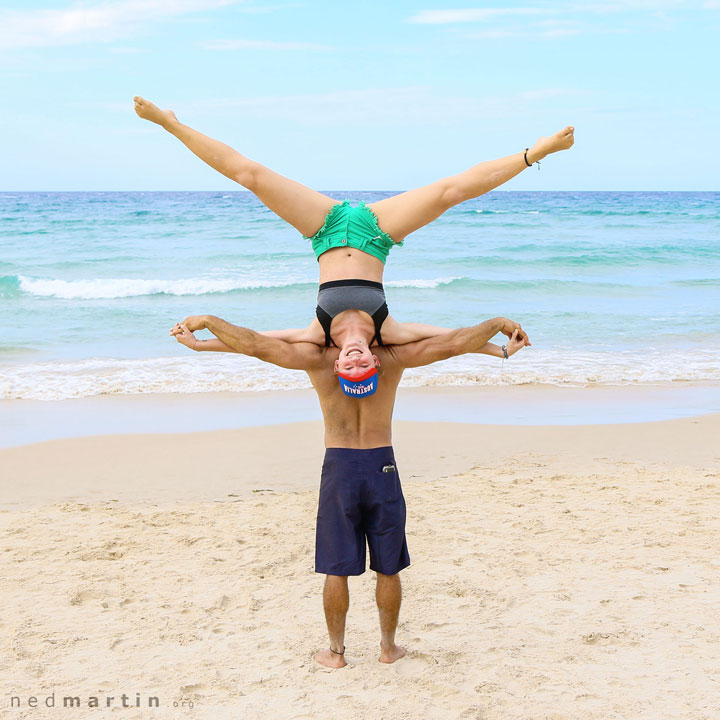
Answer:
(612, 287)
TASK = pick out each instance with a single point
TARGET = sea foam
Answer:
(112, 288)
(212, 372)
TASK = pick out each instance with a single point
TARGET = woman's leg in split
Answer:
(303, 208)
(407, 212)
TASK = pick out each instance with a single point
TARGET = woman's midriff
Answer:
(349, 264)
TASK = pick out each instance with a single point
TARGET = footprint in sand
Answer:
(192, 688)
(434, 625)
(626, 637)
(78, 597)
(414, 663)
(539, 630)
(410, 667)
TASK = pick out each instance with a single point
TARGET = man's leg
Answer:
(303, 208)
(388, 594)
(336, 601)
(407, 212)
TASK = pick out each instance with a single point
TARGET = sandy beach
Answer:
(557, 572)
(316, 191)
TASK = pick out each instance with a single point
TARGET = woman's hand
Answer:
(183, 335)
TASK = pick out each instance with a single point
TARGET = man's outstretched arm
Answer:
(458, 342)
(295, 356)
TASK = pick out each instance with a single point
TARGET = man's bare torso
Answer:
(357, 422)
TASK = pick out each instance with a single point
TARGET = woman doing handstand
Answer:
(352, 243)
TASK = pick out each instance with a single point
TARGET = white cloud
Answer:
(237, 44)
(529, 34)
(468, 15)
(556, 19)
(712, 5)
(264, 9)
(545, 29)
(441, 17)
(91, 23)
(630, 6)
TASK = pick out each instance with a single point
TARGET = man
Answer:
(360, 492)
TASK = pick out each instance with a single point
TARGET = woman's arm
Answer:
(189, 340)
(291, 335)
(397, 333)
(313, 333)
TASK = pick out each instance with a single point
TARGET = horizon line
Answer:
(346, 190)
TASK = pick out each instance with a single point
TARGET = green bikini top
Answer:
(354, 227)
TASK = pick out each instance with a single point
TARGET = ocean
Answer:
(614, 288)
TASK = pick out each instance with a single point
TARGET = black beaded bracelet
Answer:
(537, 162)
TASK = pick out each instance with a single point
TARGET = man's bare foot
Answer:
(148, 111)
(561, 140)
(390, 655)
(330, 659)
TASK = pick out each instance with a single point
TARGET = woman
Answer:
(352, 244)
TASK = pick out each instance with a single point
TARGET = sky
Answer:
(361, 96)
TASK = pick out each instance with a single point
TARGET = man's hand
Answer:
(233, 338)
(509, 328)
(515, 343)
(184, 336)
(195, 322)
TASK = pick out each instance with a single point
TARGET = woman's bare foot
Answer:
(390, 655)
(330, 659)
(148, 111)
(561, 140)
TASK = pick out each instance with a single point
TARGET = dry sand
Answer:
(557, 573)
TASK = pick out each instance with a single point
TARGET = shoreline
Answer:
(25, 422)
(223, 465)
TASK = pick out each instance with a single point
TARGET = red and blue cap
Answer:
(359, 387)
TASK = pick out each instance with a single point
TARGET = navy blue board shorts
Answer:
(360, 497)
